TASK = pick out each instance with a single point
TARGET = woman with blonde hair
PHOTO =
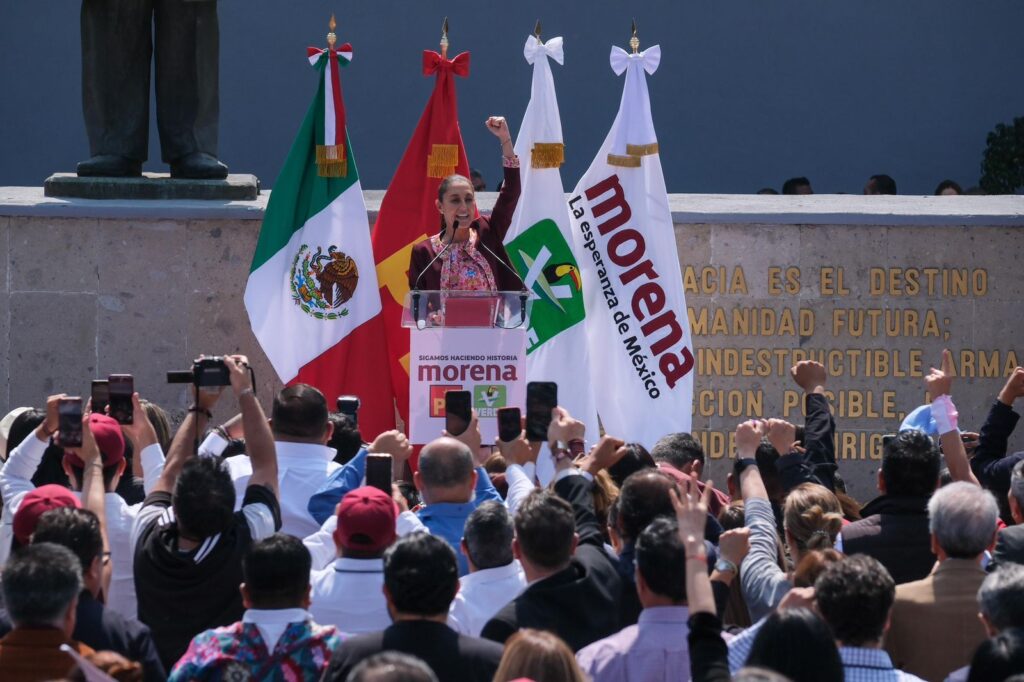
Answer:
(812, 518)
(539, 656)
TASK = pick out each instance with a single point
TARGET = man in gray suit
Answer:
(1010, 541)
(118, 40)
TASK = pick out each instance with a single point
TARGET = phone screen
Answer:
(541, 398)
(121, 388)
(69, 422)
(510, 423)
(457, 411)
(348, 405)
(378, 472)
(100, 395)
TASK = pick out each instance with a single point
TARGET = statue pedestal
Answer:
(236, 187)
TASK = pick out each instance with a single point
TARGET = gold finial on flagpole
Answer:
(332, 37)
(444, 39)
(536, 30)
(634, 42)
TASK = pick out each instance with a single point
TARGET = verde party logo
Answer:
(546, 263)
(487, 398)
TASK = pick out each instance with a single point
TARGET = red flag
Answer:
(407, 213)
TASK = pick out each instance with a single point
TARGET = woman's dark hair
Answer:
(999, 657)
(636, 458)
(798, 644)
(346, 439)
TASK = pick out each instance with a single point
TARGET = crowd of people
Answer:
(876, 184)
(256, 550)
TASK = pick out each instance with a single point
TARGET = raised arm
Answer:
(989, 463)
(940, 390)
(94, 490)
(16, 475)
(259, 440)
(148, 463)
(505, 206)
(183, 443)
(819, 428)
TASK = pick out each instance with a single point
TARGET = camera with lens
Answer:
(205, 373)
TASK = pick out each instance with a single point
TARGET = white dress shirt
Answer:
(349, 595)
(301, 469)
(482, 594)
(16, 483)
(321, 543)
(273, 622)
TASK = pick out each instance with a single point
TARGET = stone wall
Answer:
(876, 286)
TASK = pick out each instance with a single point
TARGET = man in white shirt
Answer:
(348, 594)
(16, 483)
(301, 430)
(495, 578)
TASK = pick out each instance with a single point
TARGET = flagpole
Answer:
(444, 39)
(332, 37)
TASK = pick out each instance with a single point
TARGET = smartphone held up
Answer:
(69, 422)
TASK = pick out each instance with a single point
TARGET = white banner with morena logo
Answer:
(489, 363)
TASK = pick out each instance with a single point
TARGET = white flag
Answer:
(539, 244)
(641, 353)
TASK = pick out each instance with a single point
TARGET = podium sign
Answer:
(490, 363)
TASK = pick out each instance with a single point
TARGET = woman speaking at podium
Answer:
(463, 255)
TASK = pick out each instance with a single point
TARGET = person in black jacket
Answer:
(101, 628)
(574, 588)
(990, 463)
(1010, 540)
(817, 464)
(421, 577)
(894, 528)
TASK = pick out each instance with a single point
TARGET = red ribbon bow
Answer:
(432, 62)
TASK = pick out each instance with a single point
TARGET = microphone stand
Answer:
(416, 285)
(524, 293)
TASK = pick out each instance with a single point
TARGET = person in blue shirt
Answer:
(450, 482)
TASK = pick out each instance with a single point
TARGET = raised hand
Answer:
(782, 435)
(940, 381)
(140, 431)
(392, 443)
(1014, 387)
(748, 437)
(809, 375)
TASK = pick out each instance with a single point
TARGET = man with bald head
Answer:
(451, 487)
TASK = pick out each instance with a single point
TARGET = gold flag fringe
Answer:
(642, 149)
(623, 161)
(443, 160)
(547, 155)
(331, 161)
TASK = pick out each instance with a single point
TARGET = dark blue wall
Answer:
(749, 92)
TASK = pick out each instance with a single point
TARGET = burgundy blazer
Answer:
(491, 232)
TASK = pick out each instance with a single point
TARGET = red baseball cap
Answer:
(107, 433)
(38, 502)
(366, 520)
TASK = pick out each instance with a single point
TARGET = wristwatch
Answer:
(725, 566)
(743, 463)
(561, 451)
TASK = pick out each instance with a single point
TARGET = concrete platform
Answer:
(152, 186)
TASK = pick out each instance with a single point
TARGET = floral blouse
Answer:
(463, 267)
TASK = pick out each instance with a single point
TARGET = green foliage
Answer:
(1002, 167)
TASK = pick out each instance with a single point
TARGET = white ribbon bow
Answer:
(649, 58)
(552, 48)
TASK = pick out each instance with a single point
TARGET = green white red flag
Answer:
(312, 295)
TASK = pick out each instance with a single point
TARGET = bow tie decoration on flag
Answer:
(552, 48)
(649, 58)
(432, 62)
(635, 138)
(331, 160)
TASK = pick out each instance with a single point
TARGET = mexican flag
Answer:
(538, 243)
(407, 212)
(641, 355)
(312, 294)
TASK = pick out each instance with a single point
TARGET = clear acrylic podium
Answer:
(425, 309)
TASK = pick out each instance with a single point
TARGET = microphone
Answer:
(525, 293)
(420, 324)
